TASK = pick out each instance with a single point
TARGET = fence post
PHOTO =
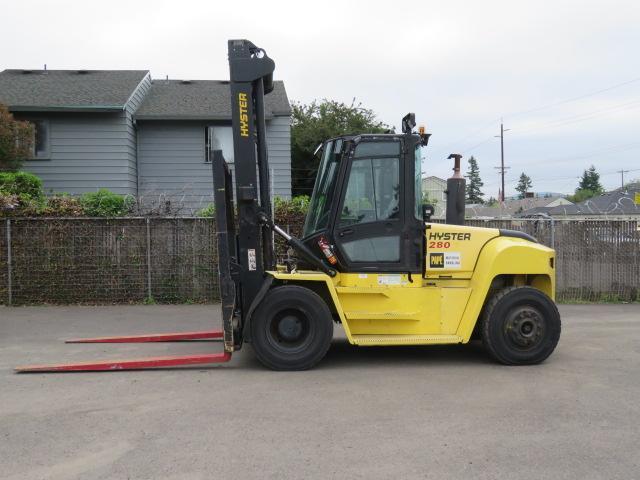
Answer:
(9, 279)
(553, 233)
(148, 259)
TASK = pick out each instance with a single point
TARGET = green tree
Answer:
(590, 180)
(313, 123)
(588, 187)
(524, 184)
(492, 202)
(16, 141)
(474, 183)
(581, 196)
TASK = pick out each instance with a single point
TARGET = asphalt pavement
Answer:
(410, 412)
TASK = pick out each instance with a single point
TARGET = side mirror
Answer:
(427, 212)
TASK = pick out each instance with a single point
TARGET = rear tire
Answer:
(291, 329)
(520, 326)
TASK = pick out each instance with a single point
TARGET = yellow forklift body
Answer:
(442, 305)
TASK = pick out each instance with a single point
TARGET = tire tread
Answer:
(273, 363)
(487, 339)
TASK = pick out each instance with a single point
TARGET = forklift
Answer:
(370, 258)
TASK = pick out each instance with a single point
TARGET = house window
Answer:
(40, 140)
(218, 138)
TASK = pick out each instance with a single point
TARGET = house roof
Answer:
(524, 204)
(617, 202)
(68, 90)
(535, 211)
(201, 100)
(434, 179)
(520, 207)
(479, 211)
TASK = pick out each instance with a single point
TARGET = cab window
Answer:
(373, 191)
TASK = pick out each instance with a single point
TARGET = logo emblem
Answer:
(436, 260)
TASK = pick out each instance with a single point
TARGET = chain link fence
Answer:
(83, 260)
(596, 260)
(173, 260)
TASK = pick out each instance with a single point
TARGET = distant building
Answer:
(616, 205)
(536, 195)
(434, 189)
(521, 207)
(121, 130)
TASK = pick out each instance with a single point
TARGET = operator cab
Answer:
(366, 208)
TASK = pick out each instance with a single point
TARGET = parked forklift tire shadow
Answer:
(344, 355)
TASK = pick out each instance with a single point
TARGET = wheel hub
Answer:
(289, 330)
(289, 327)
(525, 327)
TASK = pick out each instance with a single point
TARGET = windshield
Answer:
(320, 206)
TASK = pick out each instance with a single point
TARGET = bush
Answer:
(26, 186)
(63, 205)
(8, 203)
(296, 205)
(20, 194)
(16, 140)
(105, 203)
(581, 195)
(291, 212)
(208, 211)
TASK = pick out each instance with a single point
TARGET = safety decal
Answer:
(452, 260)
(251, 259)
(389, 279)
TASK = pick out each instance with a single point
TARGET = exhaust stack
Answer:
(456, 186)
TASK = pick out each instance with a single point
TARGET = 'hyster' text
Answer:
(449, 236)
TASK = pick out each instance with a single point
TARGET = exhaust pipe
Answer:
(456, 186)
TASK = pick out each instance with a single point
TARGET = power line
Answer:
(513, 180)
(573, 99)
(536, 109)
(471, 135)
(603, 174)
(467, 150)
(593, 153)
(579, 117)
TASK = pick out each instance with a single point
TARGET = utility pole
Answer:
(502, 168)
(622, 172)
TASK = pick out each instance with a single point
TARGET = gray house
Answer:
(619, 204)
(121, 130)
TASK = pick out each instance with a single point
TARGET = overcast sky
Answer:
(459, 66)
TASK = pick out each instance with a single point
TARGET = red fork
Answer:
(154, 337)
(133, 364)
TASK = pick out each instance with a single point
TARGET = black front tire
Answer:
(520, 326)
(291, 329)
